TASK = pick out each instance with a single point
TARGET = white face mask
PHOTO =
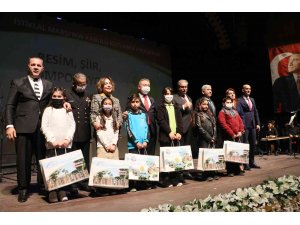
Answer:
(145, 90)
(229, 105)
(168, 98)
(107, 108)
(80, 89)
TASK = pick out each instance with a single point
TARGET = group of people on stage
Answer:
(48, 121)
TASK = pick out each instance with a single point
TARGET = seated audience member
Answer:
(294, 133)
(272, 133)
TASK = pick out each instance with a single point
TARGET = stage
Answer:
(272, 166)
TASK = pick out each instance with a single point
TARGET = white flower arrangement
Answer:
(273, 195)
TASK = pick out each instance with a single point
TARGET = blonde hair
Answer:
(100, 84)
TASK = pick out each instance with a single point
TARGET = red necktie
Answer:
(249, 103)
(146, 104)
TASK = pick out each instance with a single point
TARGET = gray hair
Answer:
(77, 76)
(182, 81)
(205, 86)
(146, 79)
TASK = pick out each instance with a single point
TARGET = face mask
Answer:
(57, 103)
(229, 105)
(80, 89)
(107, 108)
(145, 90)
(168, 98)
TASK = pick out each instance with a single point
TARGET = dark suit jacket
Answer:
(163, 122)
(250, 117)
(285, 94)
(186, 113)
(23, 108)
(152, 113)
(81, 107)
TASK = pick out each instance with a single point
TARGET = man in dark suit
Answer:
(184, 102)
(286, 89)
(186, 107)
(80, 101)
(148, 107)
(247, 109)
(28, 96)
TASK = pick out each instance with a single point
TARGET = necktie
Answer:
(37, 88)
(249, 103)
(146, 104)
(298, 84)
(212, 107)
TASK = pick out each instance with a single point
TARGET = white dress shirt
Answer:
(39, 83)
(143, 99)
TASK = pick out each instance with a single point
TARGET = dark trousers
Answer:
(186, 138)
(250, 137)
(26, 146)
(85, 148)
(152, 143)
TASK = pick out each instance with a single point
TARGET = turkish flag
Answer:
(279, 58)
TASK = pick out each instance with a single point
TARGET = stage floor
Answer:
(272, 166)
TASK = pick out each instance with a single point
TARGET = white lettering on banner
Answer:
(87, 37)
(62, 60)
(67, 77)
(57, 59)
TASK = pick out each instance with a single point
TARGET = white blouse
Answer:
(57, 125)
(108, 136)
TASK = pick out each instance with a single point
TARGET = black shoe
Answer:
(188, 175)
(209, 179)
(255, 166)
(23, 196)
(165, 182)
(216, 177)
(74, 191)
(42, 191)
(85, 187)
(247, 167)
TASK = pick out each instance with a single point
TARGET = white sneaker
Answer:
(133, 190)
(179, 184)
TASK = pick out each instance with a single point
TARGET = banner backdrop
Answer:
(70, 48)
(285, 67)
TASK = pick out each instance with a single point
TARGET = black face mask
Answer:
(57, 103)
